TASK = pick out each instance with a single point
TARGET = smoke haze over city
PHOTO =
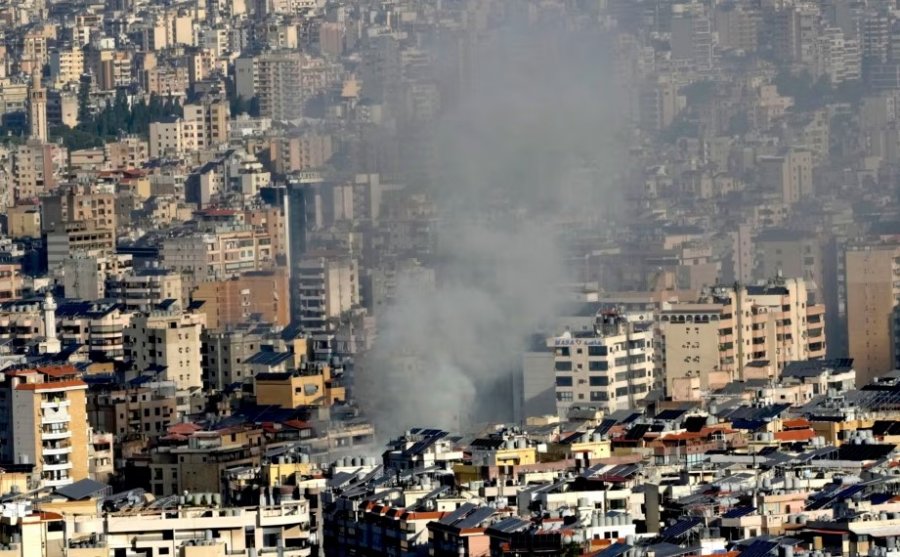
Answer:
(531, 147)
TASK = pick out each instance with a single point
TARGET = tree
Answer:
(75, 139)
(84, 95)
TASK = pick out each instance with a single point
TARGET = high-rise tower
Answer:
(38, 109)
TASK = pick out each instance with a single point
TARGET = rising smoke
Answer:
(529, 150)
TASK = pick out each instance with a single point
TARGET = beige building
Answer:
(166, 343)
(734, 333)
(306, 152)
(176, 136)
(313, 386)
(147, 411)
(36, 168)
(213, 117)
(276, 78)
(609, 368)
(24, 221)
(203, 125)
(10, 281)
(62, 107)
(873, 291)
(789, 175)
(128, 152)
(79, 204)
(111, 68)
(66, 65)
(45, 423)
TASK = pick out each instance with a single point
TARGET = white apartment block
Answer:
(609, 368)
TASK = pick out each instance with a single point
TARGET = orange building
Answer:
(260, 295)
(45, 416)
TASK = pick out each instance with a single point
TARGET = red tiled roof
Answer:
(795, 435)
(795, 423)
(50, 371)
(51, 386)
(184, 428)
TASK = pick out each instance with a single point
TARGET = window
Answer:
(563, 381)
(599, 396)
(599, 381)
(563, 366)
(598, 365)
(564, 396)
(596, 351)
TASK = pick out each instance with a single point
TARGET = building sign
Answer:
(564, 341)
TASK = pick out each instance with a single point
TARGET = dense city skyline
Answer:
(468, 278)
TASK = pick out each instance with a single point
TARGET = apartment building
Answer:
(789, 175)
(143, 289)
(99, 325)
(79, 203)
(77, 237)
(197, 461)
(276, 78)
(226, 352)
(872, 284)
(21, 322)
(173, 137)
(66, 65)
(323, 287)
(197, 527)
(10, 281)
(165, 343)
(148, 410)
(312, 385)
(261, 296)
(203, 125)
(227, 252)
(36, 168)
(101, 451)
(722, 335)
(85, 275)
(213, 115)
(608, 368)
(24, 221)
(111, 68)
(128, 152)
(44, 422)
(305, 152)
(62, 107)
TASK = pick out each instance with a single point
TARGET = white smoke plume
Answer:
(531, 149)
